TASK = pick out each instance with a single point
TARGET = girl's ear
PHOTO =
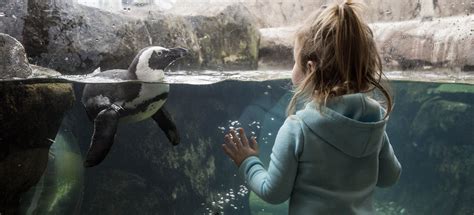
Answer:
(311, 66)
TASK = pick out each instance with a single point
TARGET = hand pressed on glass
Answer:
(238, 147)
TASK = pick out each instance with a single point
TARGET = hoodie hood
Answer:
(352, 123)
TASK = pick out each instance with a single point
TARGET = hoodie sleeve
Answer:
(275, 185)
(389, 167)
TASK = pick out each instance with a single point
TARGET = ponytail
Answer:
(347, 61)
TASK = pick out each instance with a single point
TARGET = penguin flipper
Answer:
(164, 120)
(105, 126)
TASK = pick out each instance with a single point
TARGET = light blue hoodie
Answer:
(327, 163)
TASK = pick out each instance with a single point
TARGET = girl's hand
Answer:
(238, 149)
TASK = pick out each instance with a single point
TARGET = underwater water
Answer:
(430, 129)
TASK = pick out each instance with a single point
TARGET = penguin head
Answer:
(150, 62)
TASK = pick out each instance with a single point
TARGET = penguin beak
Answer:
(178, 52)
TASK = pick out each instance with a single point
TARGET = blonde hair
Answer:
(343, 47)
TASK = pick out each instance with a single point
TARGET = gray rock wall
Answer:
(78, 39)
(279, 13)
(441, 43)
(12, 14)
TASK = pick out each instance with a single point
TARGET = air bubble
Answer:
(2, 14)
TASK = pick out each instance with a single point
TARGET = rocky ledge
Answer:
(75, 39)
(407, 45)
(30, 115)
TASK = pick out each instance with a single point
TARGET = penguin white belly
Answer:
(148, 95)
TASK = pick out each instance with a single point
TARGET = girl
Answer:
(328, 157)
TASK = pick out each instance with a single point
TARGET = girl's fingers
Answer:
(253, 143)
(227, 150)
(243, 138)
(229, 143)
(235, 139)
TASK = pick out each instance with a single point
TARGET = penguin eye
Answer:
(159, 53)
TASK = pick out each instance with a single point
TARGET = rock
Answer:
(75, 39)
(129, 192)
(386, 10)
(60, 189)
(410, 45)
(39, 71)
(447, 145)
(13, 61)
(276, 48)
(290, 13)
(455, 92)
(228, 40)
(30, 115)
(12, 13)
(441, 43)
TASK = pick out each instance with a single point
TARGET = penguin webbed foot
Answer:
(105, 127)
(164, 120)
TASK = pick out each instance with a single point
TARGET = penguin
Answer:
(108, 104)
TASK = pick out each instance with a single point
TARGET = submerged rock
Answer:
(60, 189)
(30, 115)
(431, 132)
(13, 61)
